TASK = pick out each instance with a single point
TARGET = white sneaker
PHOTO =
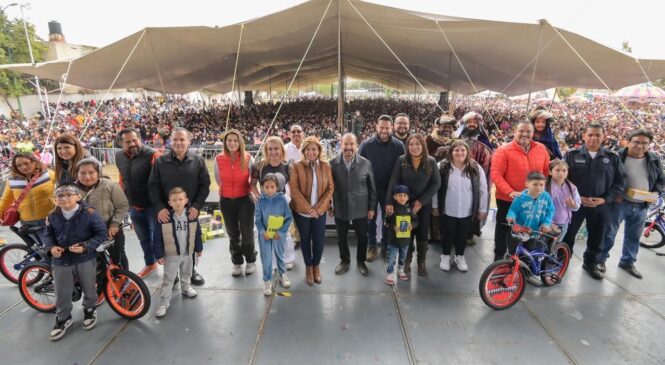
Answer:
(250, 268)
(445, 263)
(237, 270)
(290, 265)
(284, 281)
(190, 292)
(267, 288)
(460, 261)
(161, 310)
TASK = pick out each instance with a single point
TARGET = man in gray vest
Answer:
(643, 172)
(354, 201)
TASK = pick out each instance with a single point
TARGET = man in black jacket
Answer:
(382, 150)
(134, 164)
(354, 201)
(599, 176)
(180, 168)
(644, 172)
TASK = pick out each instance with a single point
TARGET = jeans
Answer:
(563, 228)
(145, 223)
(360, 226)
(393, 251)
(267, 248)
(117, 251)
(420, 234)
(634, 215)
(371, 225)
(597, 223)
(312, 236)
(239, 222)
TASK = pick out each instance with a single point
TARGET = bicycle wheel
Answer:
(127, 294)
(554, 272)
(12, 259)
(36, 287)
(654, 237)
(499, 287)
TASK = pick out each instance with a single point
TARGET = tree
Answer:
(14, 49)
(626, 47)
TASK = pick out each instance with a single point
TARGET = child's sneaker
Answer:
(267, 288)
(250, 268)
(284, 281)
(190, 292)
(237, 270)
(290, 265)
(390, 279)
(402, 275)
(460, 261)
(445, 263)
(89, 318)
(161, 310)
(60, 328)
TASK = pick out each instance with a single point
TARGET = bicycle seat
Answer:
(30, 229)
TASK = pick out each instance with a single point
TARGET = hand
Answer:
(545, 229)
(57, 251)
(252, 197)
(331, 212)
(77, 248)
(417, 205)
(514, 194)
(390, 210)
(313, 213)
(193, 213)
(442, 151)
(510, 220)
(598, 201)
(113, 230)
(482, 216)
(265, 236)
(277, 236)
(410, 227)
(199, 254)
(163, 216)
(570, 203)
(435, 212)
(160, 261)
(370, 215)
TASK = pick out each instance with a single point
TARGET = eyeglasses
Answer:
(64, 196)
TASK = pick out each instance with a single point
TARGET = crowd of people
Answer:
(429, 175)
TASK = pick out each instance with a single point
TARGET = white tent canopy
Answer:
(496, 55)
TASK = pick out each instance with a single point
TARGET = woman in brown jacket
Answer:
(311, 194)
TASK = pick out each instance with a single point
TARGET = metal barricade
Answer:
(107, 155)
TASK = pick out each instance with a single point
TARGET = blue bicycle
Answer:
(503, 282)
(16, 256)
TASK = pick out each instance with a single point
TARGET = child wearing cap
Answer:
(400, 225)
(73, 231)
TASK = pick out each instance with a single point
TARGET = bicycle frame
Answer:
(532, 259)
(34, 253)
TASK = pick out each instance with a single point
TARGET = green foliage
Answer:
(14, 49)
(626, 47)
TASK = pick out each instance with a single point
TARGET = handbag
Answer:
(12, 216)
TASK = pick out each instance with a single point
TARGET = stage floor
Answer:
(351, 319)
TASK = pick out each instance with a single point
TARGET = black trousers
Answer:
(501, 231)
(117, 251)
(454, 232)
(597, 223)
(239, 222)
(360, 227)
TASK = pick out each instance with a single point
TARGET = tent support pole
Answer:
(535, 64)
(270, 82)
(235, 71)
(340, 71)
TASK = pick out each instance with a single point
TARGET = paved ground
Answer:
(355, 320)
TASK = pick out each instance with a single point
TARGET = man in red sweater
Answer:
(511, 164)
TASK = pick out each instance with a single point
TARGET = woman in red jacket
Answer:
(232, 173)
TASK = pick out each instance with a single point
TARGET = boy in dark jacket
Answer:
(73, 232)
(400, 224)
(175, 241)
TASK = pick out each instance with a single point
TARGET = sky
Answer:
(101, 22)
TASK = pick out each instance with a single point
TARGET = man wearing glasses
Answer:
(643, 173)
